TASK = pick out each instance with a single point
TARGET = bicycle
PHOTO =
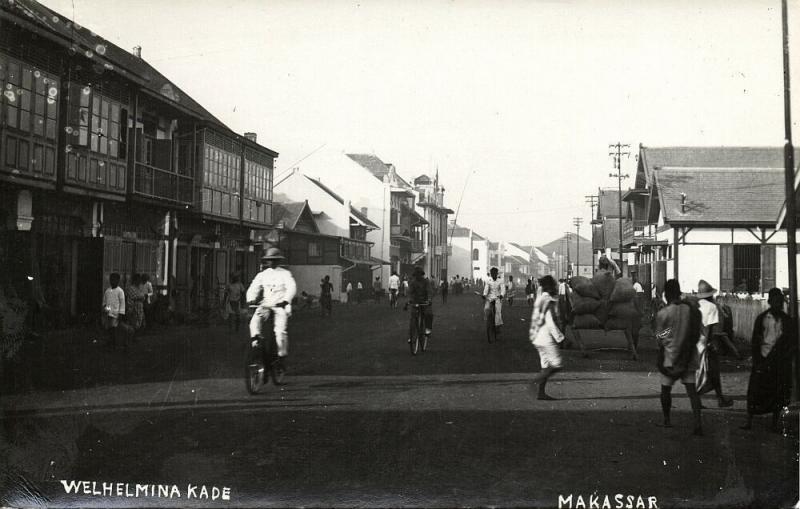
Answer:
(392, 298)
(261, 362)
(417, 332)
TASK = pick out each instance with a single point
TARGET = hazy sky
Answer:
(522, 97)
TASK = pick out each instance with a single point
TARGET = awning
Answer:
(419, 218)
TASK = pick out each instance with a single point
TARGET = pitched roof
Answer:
(422, 180)
(477, 236)
(358, 215)
(558, 246)
(112, 58)
(716, 195)
(710, 157)
(289, 213)
(608, 203)
(375, 166)
(494, 245)
(458, 231)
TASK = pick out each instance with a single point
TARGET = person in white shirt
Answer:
(494, 291)
(349, 292)
(707, 345)
(394, 288)
(113, 308)
(510, 291)
(272, 291)
(545, 335)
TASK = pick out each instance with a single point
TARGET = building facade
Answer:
(430, 203)
(106, 166)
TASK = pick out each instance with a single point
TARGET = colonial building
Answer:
(568, 258)
(333, 216)
(709, 213)
(107, 166)
(430, 202)
(469, 253)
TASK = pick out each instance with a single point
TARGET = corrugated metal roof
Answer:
(724, 196)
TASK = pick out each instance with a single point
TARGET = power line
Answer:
(617, 151)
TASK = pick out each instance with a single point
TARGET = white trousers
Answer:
(498, 308)
(281, 320)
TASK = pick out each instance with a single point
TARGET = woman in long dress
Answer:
(769, 389)
(134, 305)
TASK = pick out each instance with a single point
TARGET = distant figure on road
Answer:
(546, 335)
(233, 294)
(444, 288)
(360, 292)
(420, 291)
(394, 289)
(510, 291)
(377, 288)
(326, 296)
(349, 292)
(678, 332)
(494, 291)
(113, 308)
(770, 384)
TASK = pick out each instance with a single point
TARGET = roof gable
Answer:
(295, 216)
(723, 196)
(378, 168)
(355, 213)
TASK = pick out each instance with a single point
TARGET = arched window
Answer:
(475, 254)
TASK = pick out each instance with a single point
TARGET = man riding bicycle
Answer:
(493, 291)
(420, 293)
(394, 288)
(272, 291)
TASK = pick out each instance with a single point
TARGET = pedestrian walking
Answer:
(134, 305)
(360, 292)
(773, 349)
(510, 291)
(349, 292)
(545, 335)
(149, 300)
(529, 292)
(113, 309)
(444, 287)
(326, 296)
(233, 296)
(709, 347)
(678, 332)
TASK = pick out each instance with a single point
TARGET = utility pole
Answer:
(577, 222)
(791, 206)
(592, 201)
(617, 150)
(569, 266)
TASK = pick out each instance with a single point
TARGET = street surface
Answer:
(363, 423)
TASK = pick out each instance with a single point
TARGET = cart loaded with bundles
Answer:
(604, 303)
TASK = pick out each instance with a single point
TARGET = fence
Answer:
(744, 312)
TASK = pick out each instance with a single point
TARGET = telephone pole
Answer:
(577, 222)
(617, 150)
(592, 201)
(791, 206)
(569, 265)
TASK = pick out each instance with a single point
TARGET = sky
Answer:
(515, 102)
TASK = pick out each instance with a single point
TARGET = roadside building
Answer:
(107, 166)
(562, 254)
(334, 216)
(606, 228)
(430, 203)
(710, 213)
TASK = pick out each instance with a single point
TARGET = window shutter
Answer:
(726, 267)
(767, 268)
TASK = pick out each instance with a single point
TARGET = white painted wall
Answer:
(460, 262)
(782, 267)
(482, 263)
(335, 219)
(670, 269)
(696, 263)
(308, 278)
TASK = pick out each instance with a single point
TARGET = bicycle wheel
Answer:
(421, 327)
(414, 345)
(255, 371)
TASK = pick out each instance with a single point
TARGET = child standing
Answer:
(113, 307)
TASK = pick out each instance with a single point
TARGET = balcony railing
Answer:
(355, 249)
(157, 183)
(417, 246)
(401, 231)
(635, 231)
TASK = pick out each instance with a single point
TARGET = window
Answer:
(747, 267)
(475, 255)
(30, 97)
(96, 122)
(314, 250)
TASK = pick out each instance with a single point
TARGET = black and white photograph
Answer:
(385, 253)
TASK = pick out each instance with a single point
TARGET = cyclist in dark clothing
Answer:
(420, 292)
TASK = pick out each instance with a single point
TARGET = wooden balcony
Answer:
(162, 184)
(353, 249)
(635, 231)
(417, 246)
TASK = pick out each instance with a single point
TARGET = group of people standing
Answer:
(126, 309)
